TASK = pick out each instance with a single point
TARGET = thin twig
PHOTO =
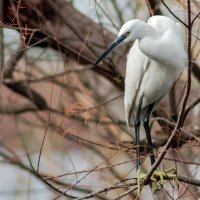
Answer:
(118, 11)
(105, 14)
(1, 50)
(48, 77)
(167, 7)
(71, 26)
(100, 104)
(190, 107)
(127, 192)
(192, 22)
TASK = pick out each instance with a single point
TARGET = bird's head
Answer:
(127, 33)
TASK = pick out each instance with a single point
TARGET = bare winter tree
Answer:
(62, 121)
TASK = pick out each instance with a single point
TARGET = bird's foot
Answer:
(140, 177)
(157, 179)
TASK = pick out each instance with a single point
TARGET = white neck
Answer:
(142, 29)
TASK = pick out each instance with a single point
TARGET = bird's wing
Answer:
(147, 77)
(180, 31)
(137, 64)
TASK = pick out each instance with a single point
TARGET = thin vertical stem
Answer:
(1, 49)
(189, 61)
(1, 38)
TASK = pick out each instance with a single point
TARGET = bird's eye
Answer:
(127, 33)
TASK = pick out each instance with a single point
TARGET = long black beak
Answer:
(116, 42)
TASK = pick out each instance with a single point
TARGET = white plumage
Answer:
(154, 63)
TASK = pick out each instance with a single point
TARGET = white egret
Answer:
(154, 63)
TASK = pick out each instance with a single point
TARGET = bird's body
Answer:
(154, 63)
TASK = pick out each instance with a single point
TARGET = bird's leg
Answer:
(137, 131)
(158, 176)
(137, 138)
(147, 131)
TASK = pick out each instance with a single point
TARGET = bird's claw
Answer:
(140, 177)
(157, 179)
